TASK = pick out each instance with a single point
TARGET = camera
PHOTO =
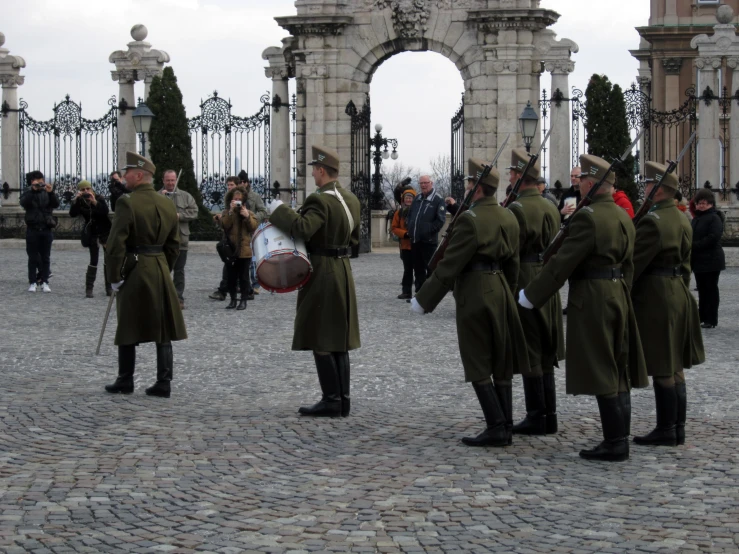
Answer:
(237, 203)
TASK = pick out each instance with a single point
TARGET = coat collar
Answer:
(485, 201)
(144, 186)
(604, 197)
(529, 192)
(330, 186)
(663, 204)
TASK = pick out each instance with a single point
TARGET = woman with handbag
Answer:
(94, 210)
(238, 225)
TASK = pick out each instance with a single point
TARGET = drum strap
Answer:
(337, 194)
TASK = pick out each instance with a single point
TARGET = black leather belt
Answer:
(145, 249)
(676, 271)
(481, 266)
(531, 258)
(608, 273)
(331, 252)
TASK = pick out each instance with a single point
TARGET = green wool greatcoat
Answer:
(602, 335)
(666, 311)
(538, 221)
(326, 319)
(491, 339)
(147, 306)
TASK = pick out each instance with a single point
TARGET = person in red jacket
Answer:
(400, 230)
(620, 198)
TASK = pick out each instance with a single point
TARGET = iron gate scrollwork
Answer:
(228, 144)
(69, 148)
(457, 158)
(361, 170)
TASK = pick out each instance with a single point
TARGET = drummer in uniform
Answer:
(326, 320)
(538, 221)
(481, 266)
(604, 356)
(666, 311)
(142, 249)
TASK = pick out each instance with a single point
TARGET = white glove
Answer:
(524, 301)
(416, 308)
(117, 286)
(272, 205)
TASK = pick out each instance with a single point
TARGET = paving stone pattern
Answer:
(226, 465)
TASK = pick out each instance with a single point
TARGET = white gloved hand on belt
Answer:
(117, 286)
(416, 308)
(272, 205)
(524, 301)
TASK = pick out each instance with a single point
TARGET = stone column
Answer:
(709, 150)
(139, 63)
(280, 153)
(733, 183)
(10, 78)
(507, 115)
(560, 123)
(672, 68)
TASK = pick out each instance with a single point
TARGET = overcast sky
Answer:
(217, 45)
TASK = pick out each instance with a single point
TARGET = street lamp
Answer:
(529, 121)
(142, 118)
(381, 153)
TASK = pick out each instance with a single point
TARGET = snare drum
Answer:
(282, 262)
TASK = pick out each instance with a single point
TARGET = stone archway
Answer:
(500, 48)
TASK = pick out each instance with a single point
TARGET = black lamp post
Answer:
(381, 153)
(529, 121)
(142, 118)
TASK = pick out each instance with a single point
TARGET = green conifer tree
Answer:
(607, 130)
(170, 145)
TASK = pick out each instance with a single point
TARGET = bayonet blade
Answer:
(631, 146)
(544, 142)
(685, 148)
(500, 151)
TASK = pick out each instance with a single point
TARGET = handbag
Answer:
(226, 249)
(86, 237)
(52, 221)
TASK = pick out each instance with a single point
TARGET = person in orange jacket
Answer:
(400, 230)
(620, 198)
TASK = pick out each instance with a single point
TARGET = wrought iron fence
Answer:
(224, 144)
(457, 158)
(361, 169)
(69, 148)
(294, 151)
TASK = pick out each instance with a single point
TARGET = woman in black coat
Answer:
(94, 210)
(707, 258)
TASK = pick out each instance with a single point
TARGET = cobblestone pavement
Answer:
(226, 464)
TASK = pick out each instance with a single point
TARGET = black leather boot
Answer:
(242, 302)
(92, 271)
(495, 433)
(108, 288)
(535, 422)
(615, 447)
(343, 369)
(625, 398)
(126, 366)
(231, 305)
(664, 434)
(165, 363)
(682, 409)
(505, 397)
(550, 401)
(328, 378)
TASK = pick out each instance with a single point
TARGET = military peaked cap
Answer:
(653, 172)
(476, 166)
(322, 155)
(595, 167)
(135, 161)
(519, 159)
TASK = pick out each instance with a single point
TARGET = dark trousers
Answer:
(179, 274)
(223, 286)
(94, 248)
(407, 282)
(38, 248)
(421, 253)
(239, 271)
(708, 297)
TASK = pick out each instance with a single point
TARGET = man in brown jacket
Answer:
(326, 321)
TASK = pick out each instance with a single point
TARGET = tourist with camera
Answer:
(117, 189)
(187, 211)
(94, 210)
(238, 224)
(39, 201)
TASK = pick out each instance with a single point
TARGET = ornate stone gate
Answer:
(500, 48)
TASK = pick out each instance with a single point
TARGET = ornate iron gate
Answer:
(69, 148)
(228, 144)
(458, 160)
(361, 170)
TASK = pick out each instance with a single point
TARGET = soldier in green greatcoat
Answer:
(604, 354)
(481, 266)
(666, 311)
(538, 221)
(326, 321)
(142, 248)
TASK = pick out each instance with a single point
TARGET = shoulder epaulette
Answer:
(517, 203)
(470, 212)
(591, 210)
(653, 214)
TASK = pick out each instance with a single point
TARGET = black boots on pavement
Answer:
(665, 434)
(127, 364)
(334, 377)
(164, 371)
(613, 417)
(495, 404)
(535, 422)
(90, 280)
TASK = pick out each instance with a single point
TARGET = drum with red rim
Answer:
(282, 262)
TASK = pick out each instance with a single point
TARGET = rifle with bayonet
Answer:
(672, 166)
(556, 243)
(514, 194)
(464, 206)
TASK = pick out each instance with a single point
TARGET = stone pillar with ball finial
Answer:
(11, 79)
(139, 63)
